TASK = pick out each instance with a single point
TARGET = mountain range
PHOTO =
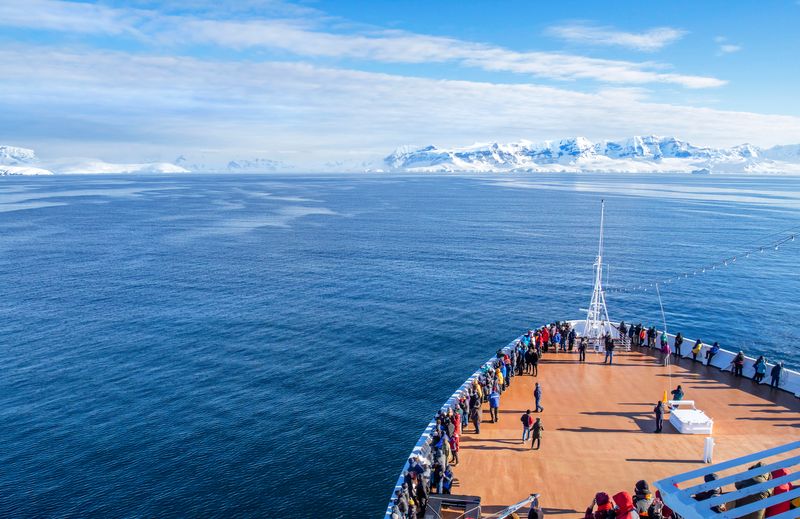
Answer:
(638, 154)
(579, 154)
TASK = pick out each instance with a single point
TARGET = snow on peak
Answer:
(12, 155)
(637, 153)
(22, 170)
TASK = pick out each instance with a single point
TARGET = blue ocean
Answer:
(272, 346)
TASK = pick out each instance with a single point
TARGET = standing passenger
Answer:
(696, 349)
(582, 350)
(659, 411)
(527, 422)
(609, 349)
(537, 395)
(494, 405)
(713, 351)
(760, 369)
(776, 374)
(738, 364)
(535, 363)
(475, 418)
(537, 433)
(677, 343)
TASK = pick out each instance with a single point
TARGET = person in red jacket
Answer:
(624, 503)
(604, 508)
(780, 489)
(454, 444)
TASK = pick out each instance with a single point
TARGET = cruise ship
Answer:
(599, 432)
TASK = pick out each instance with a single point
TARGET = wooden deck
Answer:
(599, 426)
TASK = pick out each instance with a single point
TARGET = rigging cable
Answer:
(760, 248)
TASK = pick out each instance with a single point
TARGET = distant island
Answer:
(638, 154)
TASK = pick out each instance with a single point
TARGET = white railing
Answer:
(423, 448)
(682, 502)
(789, 381)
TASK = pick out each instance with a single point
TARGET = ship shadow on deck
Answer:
(600, 363)
(523, 512)
(658, 460)
(521, 447)
(644, 420)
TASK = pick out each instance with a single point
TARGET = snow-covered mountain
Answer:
(13, 156)
(23, 161)
(95, 166)
(578, 154)
(205, 163)
(22, 170)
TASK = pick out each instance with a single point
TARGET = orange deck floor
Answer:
(599, 424)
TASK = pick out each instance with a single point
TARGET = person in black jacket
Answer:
(609, 345)
(776, 374)
(659, 411)
(582, 350)
(708, 494)
(677, 343)
(535, 512)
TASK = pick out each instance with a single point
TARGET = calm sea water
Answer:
(219, 346)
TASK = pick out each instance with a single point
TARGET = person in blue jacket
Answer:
(537, 395)
(494, 405)
(711, 352)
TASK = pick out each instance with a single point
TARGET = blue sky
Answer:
(314, 82)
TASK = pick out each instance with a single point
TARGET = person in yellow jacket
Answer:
(696, 349)
(478, 390)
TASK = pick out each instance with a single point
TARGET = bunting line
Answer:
(756, 250)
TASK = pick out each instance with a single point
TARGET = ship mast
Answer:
(597, 322)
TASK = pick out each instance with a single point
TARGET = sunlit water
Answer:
(272, 346)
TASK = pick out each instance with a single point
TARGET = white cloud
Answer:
(120, 106)
(68, 17)
(728, 48)
(401, 47)
(725, 47)
(301, 38)
(648, 41)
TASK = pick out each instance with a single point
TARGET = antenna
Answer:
(597, 322)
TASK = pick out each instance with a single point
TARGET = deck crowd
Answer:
(644, 503)
(431, 470)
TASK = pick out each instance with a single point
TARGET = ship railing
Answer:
(678, 491)
(789, 381)
(423, 449)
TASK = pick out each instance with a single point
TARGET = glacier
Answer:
(637, 154)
